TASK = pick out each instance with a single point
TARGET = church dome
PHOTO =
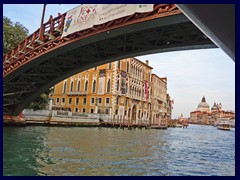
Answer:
(214, 107)
(203, 106)
(219, 106)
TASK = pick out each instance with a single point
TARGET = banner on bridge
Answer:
(88, 15)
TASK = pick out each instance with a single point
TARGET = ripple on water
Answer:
(197, 150)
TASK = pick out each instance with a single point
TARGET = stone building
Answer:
(121, 89)
(158, 99)
(203, 114)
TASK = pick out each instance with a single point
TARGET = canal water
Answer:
(81, 151)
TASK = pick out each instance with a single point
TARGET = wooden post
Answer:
(41, 32)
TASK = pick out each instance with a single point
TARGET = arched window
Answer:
(71, 86)
(143, 90)
(127, 66)
(106, 111)
(126, 87)
(94, 87)
(64, 87)
(118, 85)
(108, 86)
(86, 86)
(78, 85)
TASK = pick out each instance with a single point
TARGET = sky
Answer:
(190, 74)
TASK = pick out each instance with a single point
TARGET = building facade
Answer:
(159, 100)
(121, 89)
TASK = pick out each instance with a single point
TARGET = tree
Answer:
(40, 102)
(13, 34)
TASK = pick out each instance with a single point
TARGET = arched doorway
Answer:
(129, 113)
(134, 111)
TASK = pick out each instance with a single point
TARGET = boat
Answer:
(178, 126)
(223, 123)
(232, 122)
(223, 126)
(185, 123)
(159, 127)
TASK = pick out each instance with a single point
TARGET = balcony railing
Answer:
(79, 93)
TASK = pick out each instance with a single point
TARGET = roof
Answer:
(142, 63)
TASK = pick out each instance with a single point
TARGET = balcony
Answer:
(77, 93)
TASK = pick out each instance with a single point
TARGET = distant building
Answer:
(203, 106)
(203, 114)
(183, 121)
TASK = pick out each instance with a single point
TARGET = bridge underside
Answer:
(155, 36)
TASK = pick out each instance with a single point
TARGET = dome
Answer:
(214, 107)
(203, 106)
(219, 106)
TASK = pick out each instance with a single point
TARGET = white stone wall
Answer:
(56, 115)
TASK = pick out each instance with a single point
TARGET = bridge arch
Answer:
(26, 75)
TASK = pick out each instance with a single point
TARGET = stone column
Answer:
(50, 103)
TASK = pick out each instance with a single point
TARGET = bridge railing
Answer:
(53, 26)
(49, 36)
(52, 29)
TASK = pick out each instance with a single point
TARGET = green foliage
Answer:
(13, 34)
(40, 102)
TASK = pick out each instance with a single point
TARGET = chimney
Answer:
(147, 62)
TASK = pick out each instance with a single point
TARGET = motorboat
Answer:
(223, 126)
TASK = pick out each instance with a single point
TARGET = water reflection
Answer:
(198, 150)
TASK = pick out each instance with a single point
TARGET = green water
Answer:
(75, 151)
